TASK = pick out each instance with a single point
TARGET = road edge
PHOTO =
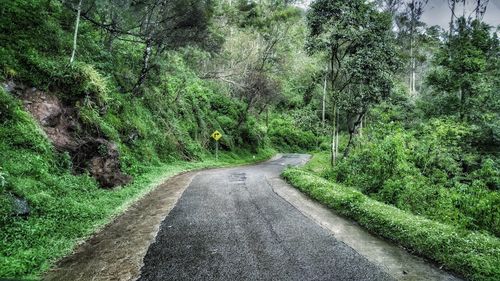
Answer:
(85, 262)
(393, 259)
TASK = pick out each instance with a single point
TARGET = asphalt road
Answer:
(230, 225)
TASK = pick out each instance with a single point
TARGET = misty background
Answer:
(437, 12)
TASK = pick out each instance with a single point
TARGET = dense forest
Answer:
(102, 99)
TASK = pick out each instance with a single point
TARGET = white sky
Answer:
(437, 12)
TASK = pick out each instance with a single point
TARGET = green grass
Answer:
(319, 163)
(472, 254)
(68, 209)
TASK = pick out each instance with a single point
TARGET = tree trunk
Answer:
(75, 36)
(349, 143)
(412, 34)
(361, 128)
(413, 74)
(324, 104)
(333, 156)
(244, 113)
(145, 66)
(334, 132)
(410, 84)
(267, 118)
(337, 129)
(353, 130)
(452, 8)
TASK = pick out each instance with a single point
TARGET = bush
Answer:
(7, 106)
(72, 82)
(287, 136)
(472, 254)
(426, 171)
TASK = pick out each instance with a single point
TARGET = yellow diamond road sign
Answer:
(216, 135)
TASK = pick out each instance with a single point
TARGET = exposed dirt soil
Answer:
(61, 124)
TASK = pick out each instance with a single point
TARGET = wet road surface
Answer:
(229, 224)
(242, 223)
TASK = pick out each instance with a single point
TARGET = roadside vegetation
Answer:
(101, 100)
(77, 101)
(472, 254)
(418, 164)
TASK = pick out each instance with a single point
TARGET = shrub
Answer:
(287, 136)
(427, 171)
(472, 254)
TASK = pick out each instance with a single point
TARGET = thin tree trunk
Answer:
(349, 143)
(352, 131)
(410, 86)
(324, 104)
(413, 74)
(244, 114)
(361, 128)
(334, 135)
(75, 36)
(337, 130)
(145, 66)
(412, 34)
(334, 123)
(267, 117)
(452, 15)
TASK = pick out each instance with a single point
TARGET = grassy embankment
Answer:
(472, 254)
(74, 207)
(65, 207)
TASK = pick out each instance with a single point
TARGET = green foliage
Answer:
(442, 169)
(286, 135)
(472, 254)
(29, 30)
(7, 107)
(19, 129)
(264, 15)
(67, 208)
(163, 132)
(422, 171)
(465, 71)
(361, 49)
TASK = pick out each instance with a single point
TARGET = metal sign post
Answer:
(216, 150)
(216, 136)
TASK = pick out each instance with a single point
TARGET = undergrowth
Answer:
(472, 254)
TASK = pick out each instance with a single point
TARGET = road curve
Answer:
(229, 224)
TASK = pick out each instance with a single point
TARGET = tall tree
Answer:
(462, 66)
(170, 24)
(410, 29)
(251, 60)
(360, 47)
(159, 25)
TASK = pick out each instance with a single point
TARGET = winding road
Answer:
(230, 225)
(242, 223)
